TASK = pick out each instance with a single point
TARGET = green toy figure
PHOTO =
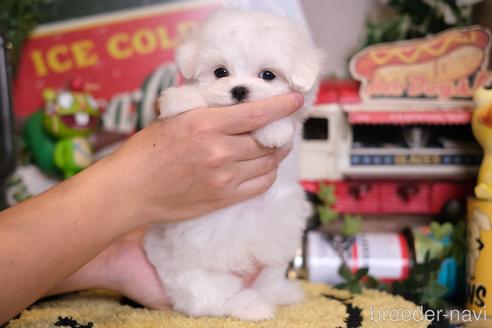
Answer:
(57, 136)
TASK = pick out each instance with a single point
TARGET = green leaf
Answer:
(418, 18)
(458, 246)
(433, 293)
(344, 272)
(361, 273)
(354, 288)
(326, 215)
(351, 225)
(327, 194)
(373, 283)
(17, 19)
(440, 231)
(342, 285)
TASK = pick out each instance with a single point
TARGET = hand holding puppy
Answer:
(174, 169)
(171, 102)
(203, 160)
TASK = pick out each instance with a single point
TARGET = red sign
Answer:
(114, 52)
(446, 66)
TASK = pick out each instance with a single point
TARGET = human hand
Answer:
(123, 267)
(199, 161)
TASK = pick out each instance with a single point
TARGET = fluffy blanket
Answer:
(323, 307)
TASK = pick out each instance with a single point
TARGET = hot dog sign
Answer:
(450, 65)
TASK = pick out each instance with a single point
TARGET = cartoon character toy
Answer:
(58, 135)
(482, 129)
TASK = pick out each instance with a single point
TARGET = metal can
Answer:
(387, 256)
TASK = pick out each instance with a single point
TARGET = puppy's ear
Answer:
(307, 71)
(185, 58)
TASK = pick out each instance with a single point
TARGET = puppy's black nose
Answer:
(239, 93)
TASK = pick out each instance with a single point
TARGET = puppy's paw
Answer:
(249, 305)
(276, 134)
(286, 292)
(174, 101)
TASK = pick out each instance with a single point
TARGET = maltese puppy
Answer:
(234, 57)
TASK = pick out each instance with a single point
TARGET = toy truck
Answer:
(398, 140)
(371, 167)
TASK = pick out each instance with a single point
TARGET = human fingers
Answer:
(246, 147)
(247, 117)
(253, 187)
(253, 168)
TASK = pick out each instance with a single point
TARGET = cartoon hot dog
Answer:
(444, 58)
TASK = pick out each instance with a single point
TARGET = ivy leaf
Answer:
(351, 225)
(342, 285)
(433, 293)
(17, 19)
(327, 194)
(373, 283)
(326, 215)
(345, 272)
(354, 287)
(458, 245)
(361, 273)
(353, 282)
(440, 231)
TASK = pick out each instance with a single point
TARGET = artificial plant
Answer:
(418, 18)
(17, 19)
(351, 224)
(422, 284)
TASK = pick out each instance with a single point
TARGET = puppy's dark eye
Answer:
(266, 75)
(221, 72)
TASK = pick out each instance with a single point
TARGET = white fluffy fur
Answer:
(201, 261)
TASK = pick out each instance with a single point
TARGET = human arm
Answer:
(174, 169)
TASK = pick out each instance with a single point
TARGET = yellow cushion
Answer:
(103, 309)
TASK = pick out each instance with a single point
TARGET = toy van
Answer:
(379, 166)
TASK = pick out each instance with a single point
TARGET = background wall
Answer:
(339, 26)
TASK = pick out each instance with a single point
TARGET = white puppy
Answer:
(233, 57)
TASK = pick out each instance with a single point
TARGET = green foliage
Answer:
(351, 224)
(326, 194)
(433, 293)
(422, 285)
(418, 18)
(326, 214)
(18, 188)
(354, 282)
(439, 231)
(458, 245)
(17, 19)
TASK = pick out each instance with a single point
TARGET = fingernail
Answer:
(299, 99)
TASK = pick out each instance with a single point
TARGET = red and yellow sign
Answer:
(114, 52)
(445, 66)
